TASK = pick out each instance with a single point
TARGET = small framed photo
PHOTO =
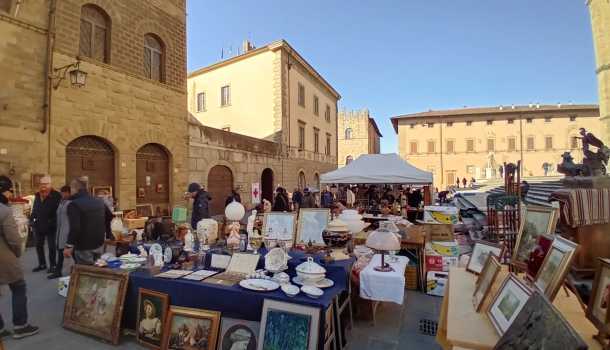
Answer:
(485, 281)
(555, 266)
(508, 302)
(152, 312)
(144, 210)
(101, 191)
(479, 255)
(279, 225)
(599, 301)
(188, 328)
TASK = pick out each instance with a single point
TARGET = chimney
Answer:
(246, 46)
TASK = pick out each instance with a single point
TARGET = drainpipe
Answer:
(521, 142)
(46, 106)
(441, 149)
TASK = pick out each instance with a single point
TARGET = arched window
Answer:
(302, 180)
(348, 160)
(94, 33)
(348, 133)
(153, 57)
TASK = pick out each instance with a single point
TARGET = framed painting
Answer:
(152, 312)
(279, 225)
(599, 301)
(95, 301)
(485, 281)
(144, 210)
(508, 302)
(238, 334)
(535, 221)
(311, 224)
(192, 329)
(540, 325)
(36, 181)
(101, 191)
(479, 254)
(280, 319)
(555, 266)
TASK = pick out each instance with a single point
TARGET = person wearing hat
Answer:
(201, 203)
(44, 222)
(309, 200)
(10, 268)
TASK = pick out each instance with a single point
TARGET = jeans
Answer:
(20, 311)
(40, 238)
(60, 261)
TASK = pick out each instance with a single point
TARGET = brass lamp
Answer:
(383, 240)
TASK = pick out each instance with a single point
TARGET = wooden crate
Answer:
(411, 277)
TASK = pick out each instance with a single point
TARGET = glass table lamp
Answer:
(383, 241)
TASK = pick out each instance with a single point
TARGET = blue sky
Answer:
(398, 57)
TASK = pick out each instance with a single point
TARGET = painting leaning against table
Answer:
(286, 326)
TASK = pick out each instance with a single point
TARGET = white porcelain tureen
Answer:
(310, 272)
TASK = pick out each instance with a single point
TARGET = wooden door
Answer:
(220, 184)
(92, 157)
(267, 184)
(152, 178)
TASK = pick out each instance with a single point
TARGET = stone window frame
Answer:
(469, 123)
(301, 94)
(449, 124)
(200, 96)
(349, 159)
(470, 170)
(548, 146)
(452, 141)
(160, 51)
(413, 150)
(316, 140)
(412, 125)
(225, 99)
(431, 143)
(473, 146)
(548, 119)
(328, 144)
(327, 113)
(493, 143)
(301, 135)
(316, 105)
(348, 133)
(529, 120)
(533, 143)
(510, 121)
(508, 143)
(95, 27)
(573, 117)
(489, 122)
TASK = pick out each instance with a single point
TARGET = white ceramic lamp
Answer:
(235, 211)
(383, 240)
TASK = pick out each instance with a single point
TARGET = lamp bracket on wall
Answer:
(78, 77)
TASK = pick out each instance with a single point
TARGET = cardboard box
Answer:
(63, 284)
(437, 232)
(436, 282)
(440, 263)
(436, 214)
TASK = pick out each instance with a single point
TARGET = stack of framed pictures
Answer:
(480, 252)
(555, 266)
(485, 281)
(598, 310)
(508, 302)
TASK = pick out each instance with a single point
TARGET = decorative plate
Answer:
(275, 260)
(324, 283)
(167, 256)
(259, 285)
(312, 292)
(155, 249)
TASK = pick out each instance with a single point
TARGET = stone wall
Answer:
(359, 143)
(600, 22)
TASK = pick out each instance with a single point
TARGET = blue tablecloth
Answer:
(232, 301)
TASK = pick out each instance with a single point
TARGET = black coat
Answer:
(201, 208)
(280, 203)
(44, 212)
(89, 221)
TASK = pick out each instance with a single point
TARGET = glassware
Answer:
(255, 243)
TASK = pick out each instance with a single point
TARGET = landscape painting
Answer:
(191, 329)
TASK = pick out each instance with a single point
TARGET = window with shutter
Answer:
(94, 33)
(153, 57)
(5, 5)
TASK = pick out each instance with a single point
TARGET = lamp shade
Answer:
(383, 240)
(78, 78)
(235, 211)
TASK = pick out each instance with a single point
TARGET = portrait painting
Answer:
(485, 281)
(555, 266)
(280, 319)
(236, 334)
(508, 302)
(536, 221)
(279, 225)
(311, 224)
(540, 325)
(152, 311)
(480, 252)
(95, 301)
(597, 310)
(191, 329)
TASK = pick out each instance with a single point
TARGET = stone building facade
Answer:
(126, 127)
(600, 22)
(223, 161)
(475, 142)
(358, 134)
(271, 93)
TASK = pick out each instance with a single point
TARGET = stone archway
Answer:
(153, 178)
(267, 185)
(220, 185)
(94, 158)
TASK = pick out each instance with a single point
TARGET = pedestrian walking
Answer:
(44, 223)
(280, 203)
(201, 203)
(309, 199)
(10, 268)
(297, 199)
(458, 182)
(89, 219)
(63, 229)
(464, 182)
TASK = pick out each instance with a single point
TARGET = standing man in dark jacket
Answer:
(201, 204)
(63, 229)
(297, 199)
(89, 219)
(44, 222)
(10, 268)
(281, 203)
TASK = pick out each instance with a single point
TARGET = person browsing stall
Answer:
(201, 203)
(63, 229)
(44, 223)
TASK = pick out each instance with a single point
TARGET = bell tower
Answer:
(600, 22)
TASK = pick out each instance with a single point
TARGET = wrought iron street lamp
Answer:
(78, 78)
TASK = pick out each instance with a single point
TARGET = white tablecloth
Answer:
(384, 286)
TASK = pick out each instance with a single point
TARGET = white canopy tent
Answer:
(378, 169)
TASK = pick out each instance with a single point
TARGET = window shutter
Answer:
(99, 44)
(85, 38)
(156, 66)
(147, 68)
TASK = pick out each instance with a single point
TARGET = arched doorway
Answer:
(267, 185)
(220, 184)
(302, 179)
(348, 160)
(152, 178)
(91, 157)
(316, 180)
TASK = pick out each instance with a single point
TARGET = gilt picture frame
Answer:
(508, 302)
(598, 310)
(485, 281)
(555, 266)
(152, 313)
(479, 254)
(535, 221)
(196, 328)
(95, 301)
(312, 222)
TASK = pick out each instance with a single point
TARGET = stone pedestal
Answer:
(586, 182)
